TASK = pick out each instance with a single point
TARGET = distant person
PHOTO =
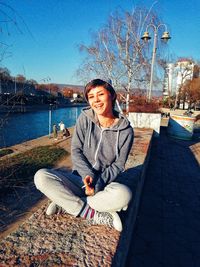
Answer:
(66, 133)
(101, 143)
(62, 128)
(55, 132)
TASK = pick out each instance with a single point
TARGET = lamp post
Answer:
(0, 90)
(165, 37)
(50, 114)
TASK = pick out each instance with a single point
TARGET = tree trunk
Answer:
(127, 101)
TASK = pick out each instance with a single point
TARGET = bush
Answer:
(140, 104)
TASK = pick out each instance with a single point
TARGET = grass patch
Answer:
(20, 169)
(5, 151)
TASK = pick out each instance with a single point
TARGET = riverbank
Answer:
(34, 108)
(17, 128)
(40, 141)
(4, 109)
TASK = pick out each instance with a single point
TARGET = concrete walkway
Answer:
(167, 231)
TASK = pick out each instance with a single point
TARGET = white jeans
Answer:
(65, 191)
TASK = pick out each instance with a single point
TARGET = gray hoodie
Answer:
(100, 152)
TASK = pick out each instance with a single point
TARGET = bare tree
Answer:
(118, 53)
(185, 70)
(10, 21)
(190, 92)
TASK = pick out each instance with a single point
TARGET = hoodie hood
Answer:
(122, 124)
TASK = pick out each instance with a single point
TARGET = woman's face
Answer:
(100, 101)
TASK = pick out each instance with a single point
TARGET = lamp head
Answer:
(146, 37)
(165, 37)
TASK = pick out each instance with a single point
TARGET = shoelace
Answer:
(103, 218)
(60, 210)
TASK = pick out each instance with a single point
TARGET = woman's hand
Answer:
(89, 189)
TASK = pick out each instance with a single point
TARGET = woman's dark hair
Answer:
(98, 82)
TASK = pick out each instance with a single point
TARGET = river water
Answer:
(21, 127)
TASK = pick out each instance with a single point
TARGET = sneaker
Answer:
(110, 219)
(124, 208)
(53, 209)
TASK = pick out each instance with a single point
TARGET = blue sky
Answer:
(46, 43)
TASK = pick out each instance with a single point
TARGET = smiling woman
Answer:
(101, 142)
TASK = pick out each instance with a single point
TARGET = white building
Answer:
(176, 74)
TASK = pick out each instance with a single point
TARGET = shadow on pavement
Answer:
(17, 203)
(167, 231)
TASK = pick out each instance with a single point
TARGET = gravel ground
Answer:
(59, 240)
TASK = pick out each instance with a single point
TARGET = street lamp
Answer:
(165, 37)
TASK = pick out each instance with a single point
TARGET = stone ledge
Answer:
(62, 240)
(136, 169)
(195, 149)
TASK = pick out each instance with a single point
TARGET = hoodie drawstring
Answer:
(90, 131)
(117, 141)
(95, 156)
